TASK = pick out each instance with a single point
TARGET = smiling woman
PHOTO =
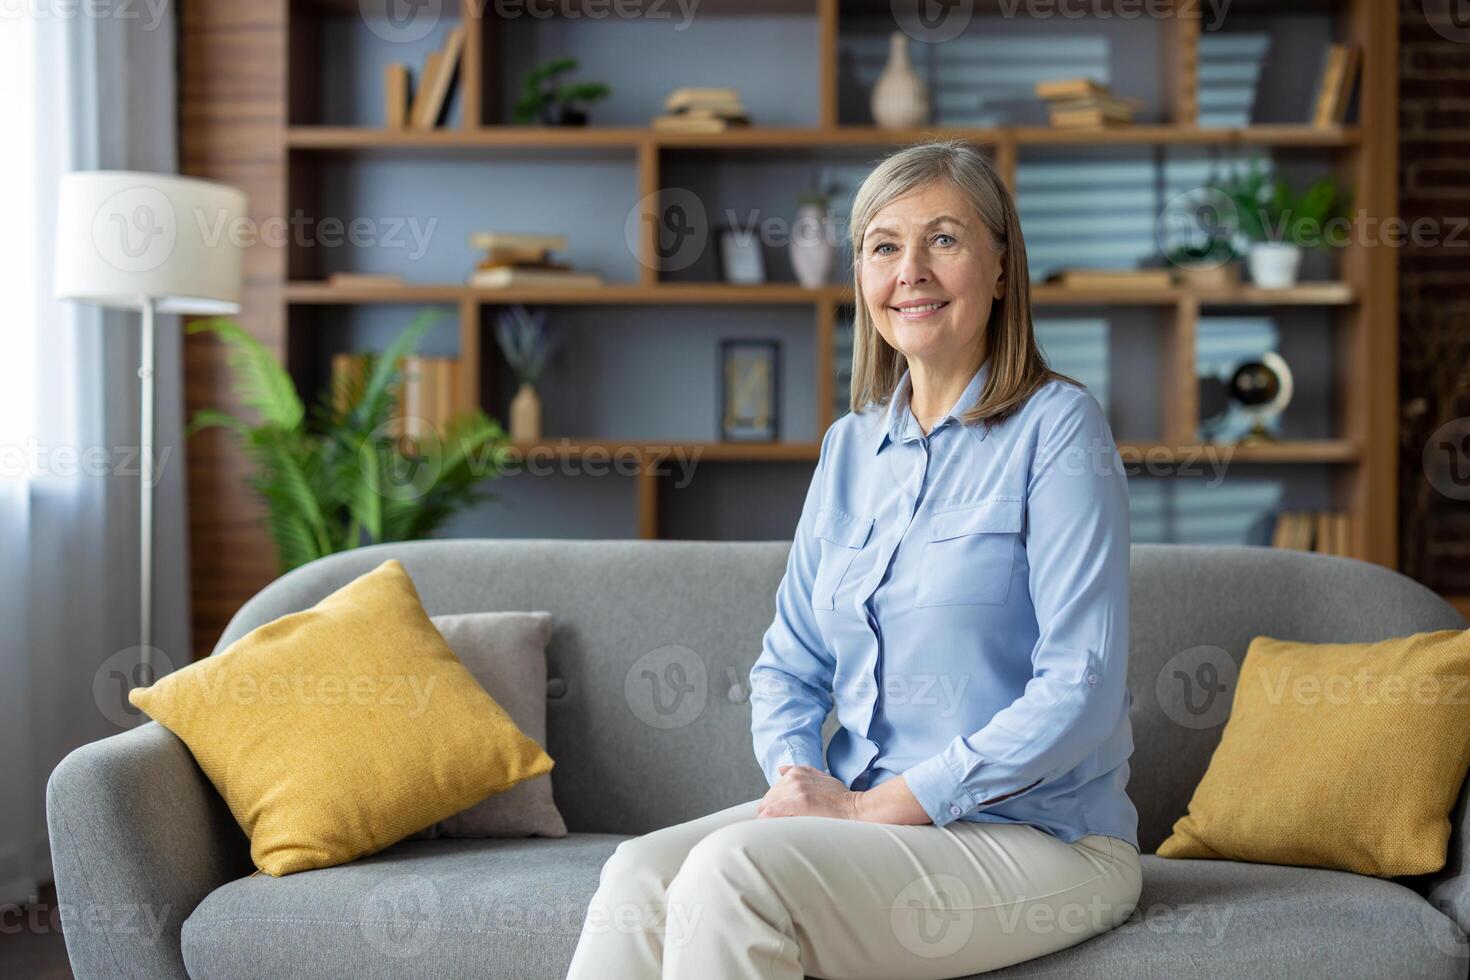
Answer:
(966, 531)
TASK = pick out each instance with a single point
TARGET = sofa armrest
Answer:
(139, 837)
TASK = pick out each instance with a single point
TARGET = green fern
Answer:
(338, 482)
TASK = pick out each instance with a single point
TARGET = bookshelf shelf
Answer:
(314, 293)
(653, 450)
(776, 138)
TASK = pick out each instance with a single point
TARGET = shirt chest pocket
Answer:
(970, 553)
(842, 536)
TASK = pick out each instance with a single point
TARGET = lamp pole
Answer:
(145, 497)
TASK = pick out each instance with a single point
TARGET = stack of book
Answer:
(1081, 103)
(426, 400)
(702, 110)
(1111, 279)
(515, 260)
(427, 103)
(1324, 530)
(1335, 84)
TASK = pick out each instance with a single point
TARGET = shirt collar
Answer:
(898, 419)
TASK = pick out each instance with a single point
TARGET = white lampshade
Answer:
(126, 238)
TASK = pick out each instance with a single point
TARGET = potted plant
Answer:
(550, 104)
(1279, 223)
(347, 479)
(812, 247)
(1208, 265)
(525, 344)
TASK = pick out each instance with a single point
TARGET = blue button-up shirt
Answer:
(961, 598)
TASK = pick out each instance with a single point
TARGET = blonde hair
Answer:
(1017, 366)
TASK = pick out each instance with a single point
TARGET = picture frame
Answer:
(749, 405)
(741, 259)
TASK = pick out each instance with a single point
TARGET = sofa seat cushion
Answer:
(513, 908)
(1220, 920)
(501, 907)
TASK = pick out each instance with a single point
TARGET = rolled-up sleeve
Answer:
(1077, 544)
(791, 682)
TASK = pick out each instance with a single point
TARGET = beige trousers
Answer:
(731, 895)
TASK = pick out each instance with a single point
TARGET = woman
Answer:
(958, 591)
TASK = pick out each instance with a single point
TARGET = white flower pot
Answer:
(1274, 265)
(811, 247)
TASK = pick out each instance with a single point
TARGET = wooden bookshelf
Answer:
(249, 94)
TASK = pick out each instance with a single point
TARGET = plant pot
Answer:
(1224, 276)
(1274, 265)
(572, 116)
(811, 248)
(900, 99)
(525, 415)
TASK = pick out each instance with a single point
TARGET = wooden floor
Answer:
(36, 950)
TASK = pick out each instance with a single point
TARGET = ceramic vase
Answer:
(811, 247)
(899, 99)
(525, 415)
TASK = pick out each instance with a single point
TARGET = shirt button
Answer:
(954, 809)
(1092, 678)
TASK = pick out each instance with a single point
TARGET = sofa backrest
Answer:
(647, 714)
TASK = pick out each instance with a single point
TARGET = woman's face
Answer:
(929, 275)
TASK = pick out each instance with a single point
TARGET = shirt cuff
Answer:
(793, 751)
(939, 791)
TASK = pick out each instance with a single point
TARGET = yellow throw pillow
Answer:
(337, 731)
(1337, 755)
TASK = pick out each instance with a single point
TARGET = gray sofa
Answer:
(152, 870)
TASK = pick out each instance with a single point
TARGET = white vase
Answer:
(811, 247)
(900, 99)
(1274, 265)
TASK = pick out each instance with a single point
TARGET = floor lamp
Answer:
(156, 244)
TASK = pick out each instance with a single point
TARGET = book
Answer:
(683, 98)
(1112, 279)
(680, 124)
(517, 240)
(514, 277)
(361, 280)
(1069, 88)
(1329, 83)
(427, 393)
(1351, 61)
(1088, 119)
(427, 80)
(437, 80)
(395, 96)
(1112, 105)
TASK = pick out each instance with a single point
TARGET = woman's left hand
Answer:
(806, 792)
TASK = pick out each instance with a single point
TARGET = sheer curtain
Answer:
(87, 88)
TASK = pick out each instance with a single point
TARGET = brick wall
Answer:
(1434, 284)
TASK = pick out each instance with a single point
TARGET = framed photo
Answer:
(750, 390)
(741, 259)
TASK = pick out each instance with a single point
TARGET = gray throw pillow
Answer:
(506, 653)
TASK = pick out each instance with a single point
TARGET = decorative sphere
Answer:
(1254, 384)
